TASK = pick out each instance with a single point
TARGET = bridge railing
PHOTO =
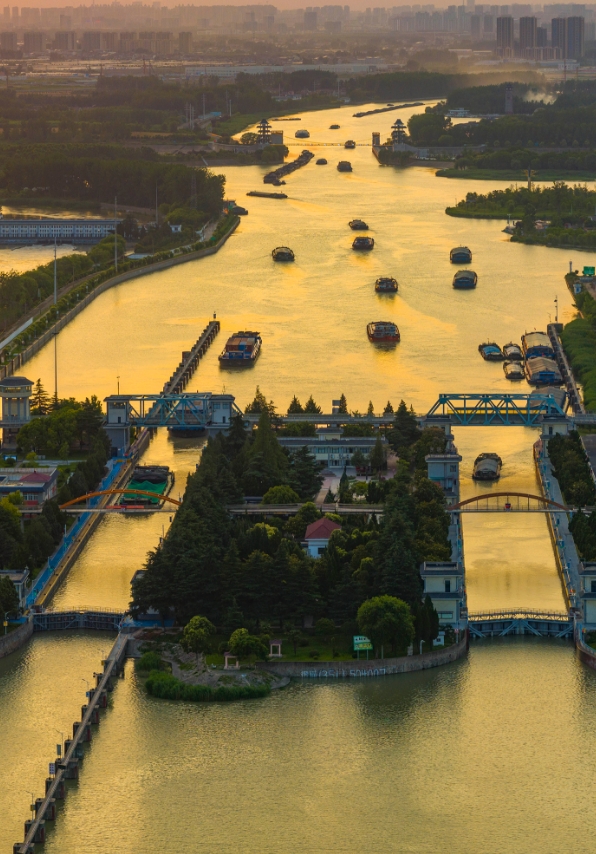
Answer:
(518, 614)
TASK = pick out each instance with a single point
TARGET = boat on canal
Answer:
(321, 162)
(349, 143)
(487, 467)
(241, 349)
(363, 244)
(465, 280)
(333, 127)
(491, 352)
(513, 352)
(513, 371)
(260, 195)
(282, 253)
(344, 166)
(386, 285)
(358, 225)
(155, 479)
(383, 332)
(302, 134)
(541, 371)
(460, 255)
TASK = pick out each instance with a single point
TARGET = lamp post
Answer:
(5, 621)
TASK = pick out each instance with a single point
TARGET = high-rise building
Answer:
(15, 13)
(310, 20)
(541, 37)
(527, 33)
(65, 22)
(6, 15)
(91, 41)
(33, 42)
(8, 41)
(559, 35)
(575, 37)
(505, 36)
(475, 29)
(109, 41)
(488, 27)
(65, 40)
(185, 42)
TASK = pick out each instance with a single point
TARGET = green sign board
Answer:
(361, 642)
(589, 271)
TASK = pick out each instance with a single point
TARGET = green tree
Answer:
(267, 464)
(244, 645)
(259, 405)
(9, 599)
(325, 628)
(388, 408)
(305, 474)
(311, 406)
(295, 407)
(39, 400)
(371, 409)
(377, 455)
(343, 405)
(197, 636)
(294, 635)
(282, 494)
(404, 431)
(386, 620)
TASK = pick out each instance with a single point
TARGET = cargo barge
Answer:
(241, 349)
(282, 253)
(383, 332)
(287, 169)
(363, 243)
(465, 280)
(261, 195)
(491, 352)
(460, 255)
(386, 285)
(513, 352)
(358, 225)
(344, 166)
(487, 467)
(156, 479)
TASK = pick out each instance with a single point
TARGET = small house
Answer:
(20, 579)
(317, 536)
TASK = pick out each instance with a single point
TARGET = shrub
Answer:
(167, 687)
(149, 661)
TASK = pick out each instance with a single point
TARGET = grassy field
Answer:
(517, 175)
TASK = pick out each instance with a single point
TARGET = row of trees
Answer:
(560, 200)
(69, 425)
(237, 572)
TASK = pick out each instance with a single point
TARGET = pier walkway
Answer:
(67, 767)
(190, 359)
(573, 395)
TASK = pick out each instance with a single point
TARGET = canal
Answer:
(442, 760)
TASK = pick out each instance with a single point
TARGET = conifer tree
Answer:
(311, 406)
(39, 401)
(295, 407)
(343, 405)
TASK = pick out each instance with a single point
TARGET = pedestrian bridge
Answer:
(519, 621)
(98, 619)
(509, 502)
(490, 410)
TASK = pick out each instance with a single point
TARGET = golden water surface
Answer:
(485, 755)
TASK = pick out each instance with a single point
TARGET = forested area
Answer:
(558, 203)
(239, 572)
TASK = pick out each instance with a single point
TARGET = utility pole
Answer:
(115, 234)
(156, 209)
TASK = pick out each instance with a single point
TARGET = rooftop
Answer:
(321, 529)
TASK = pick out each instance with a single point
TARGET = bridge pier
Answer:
(49, 813)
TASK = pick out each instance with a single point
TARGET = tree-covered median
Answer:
(247, 572)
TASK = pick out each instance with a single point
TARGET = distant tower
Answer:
(398, 131)
(264, 131)
(15, 393)
(508, 99)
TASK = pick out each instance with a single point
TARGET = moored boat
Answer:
(321, 162)
(491, 352)
(349, 143)
(358, 225)
(513, 370)
(465, 280)
(460, 255)
(383, 332)
(261, 195)
(513, 352)
(542, 371)
(386, 285)
(282, 253)
(344, 166)
(487, 467)
(333, 127)
(242, 348)
(157, 480)
(363, 243)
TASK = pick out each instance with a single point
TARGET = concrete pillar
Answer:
(50, 812)
(83, 711)
(40, 833)
(72, 769)
(67, 744)
(95, 715)
(103, 700)
(87, 735)
(75, 728)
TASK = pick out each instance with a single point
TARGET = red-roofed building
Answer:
(318, 534)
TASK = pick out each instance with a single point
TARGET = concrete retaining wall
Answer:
(15, 364)
(376, 667)
(15, 640)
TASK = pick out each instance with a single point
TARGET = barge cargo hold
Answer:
(513, 370)
(465, 280)
(487, 467)
(542, 371)
(460, 255)
(386, 285)
(363, 243)
(513, 352)
(537, 344)
(383, 332)
(156, 479)
(491, 352)
(241, 349)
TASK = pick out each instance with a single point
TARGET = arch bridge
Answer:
(509, 502)
(125, 491)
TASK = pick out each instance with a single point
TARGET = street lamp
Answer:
(87, 683)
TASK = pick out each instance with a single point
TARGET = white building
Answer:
(50, 230)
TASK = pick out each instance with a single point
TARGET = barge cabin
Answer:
(460, 255)
(465, 280)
